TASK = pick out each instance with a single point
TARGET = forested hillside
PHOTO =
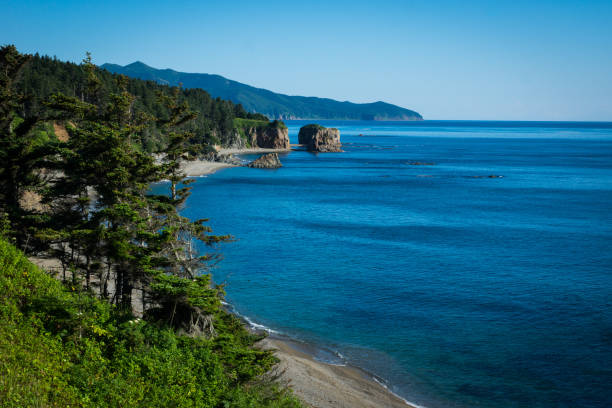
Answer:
(214, 124)
(274, 105)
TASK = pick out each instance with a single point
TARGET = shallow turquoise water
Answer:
(457, 289)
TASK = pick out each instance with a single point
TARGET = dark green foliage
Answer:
(21, 147)
(61, 347)
(44, 76)
(272, 104)
(313, 126)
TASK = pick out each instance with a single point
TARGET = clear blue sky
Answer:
(515, 60)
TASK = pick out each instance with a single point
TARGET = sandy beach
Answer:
(252, 150)
(322, 385)
(197, 168)
(202, 167)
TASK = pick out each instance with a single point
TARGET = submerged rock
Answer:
(417, 163)
(317, 138)
(267, 161)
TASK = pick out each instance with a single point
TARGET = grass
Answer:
(240, 123)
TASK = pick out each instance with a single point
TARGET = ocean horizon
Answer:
(463, 263)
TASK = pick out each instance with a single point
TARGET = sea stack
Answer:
(317, 138)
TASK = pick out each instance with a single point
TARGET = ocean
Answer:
(465, 264)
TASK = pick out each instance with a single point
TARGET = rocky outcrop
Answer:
(222, 158)
(317, 138)
(235, 141)
(268, 137)
(267, 161)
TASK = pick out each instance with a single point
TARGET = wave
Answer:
(383, 384)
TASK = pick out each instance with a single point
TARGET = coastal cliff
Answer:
(270, 137)
(317, 138)
(262, 134)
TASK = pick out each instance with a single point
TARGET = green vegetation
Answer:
(82, 198)
(241, 123)
(63, 347)
(44, 76)
(271, 104)
(313, 126)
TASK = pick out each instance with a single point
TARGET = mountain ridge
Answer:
(272, 104)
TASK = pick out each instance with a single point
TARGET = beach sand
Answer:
(322, 385)
(252, 150)
(202, 167)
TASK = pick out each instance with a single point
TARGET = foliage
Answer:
(62, 347)
(271, 104)
(313, 126)
(21, 148)
(44, 76)
(247, 123)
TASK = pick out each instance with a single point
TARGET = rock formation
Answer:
(268, 137)
(317, 138)
(267, 161)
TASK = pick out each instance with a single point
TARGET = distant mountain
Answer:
(271, 104)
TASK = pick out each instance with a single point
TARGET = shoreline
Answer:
(198, 168)
(253, 150)
(323, 385)
(317, 384)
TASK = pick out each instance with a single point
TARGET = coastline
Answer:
(197, 168)
(321, 385)
(252, 150)
(315, 383)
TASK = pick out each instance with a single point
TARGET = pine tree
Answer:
(21, 151)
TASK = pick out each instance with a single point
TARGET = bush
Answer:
(62, 347)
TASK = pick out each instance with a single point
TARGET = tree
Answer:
(18, 151)
(128, 238)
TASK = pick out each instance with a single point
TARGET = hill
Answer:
(63, 347)
(43, 76)
(271, 104)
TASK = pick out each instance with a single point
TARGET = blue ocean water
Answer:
(404, 256)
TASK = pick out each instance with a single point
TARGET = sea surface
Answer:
(465, 264)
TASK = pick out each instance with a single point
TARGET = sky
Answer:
(455, 60)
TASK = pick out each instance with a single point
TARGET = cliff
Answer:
(317, 138)
(268, 135)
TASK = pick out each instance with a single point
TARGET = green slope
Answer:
(60, 347)
(269, 103)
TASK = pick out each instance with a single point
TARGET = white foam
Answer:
(257, 325)
(382, 384)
